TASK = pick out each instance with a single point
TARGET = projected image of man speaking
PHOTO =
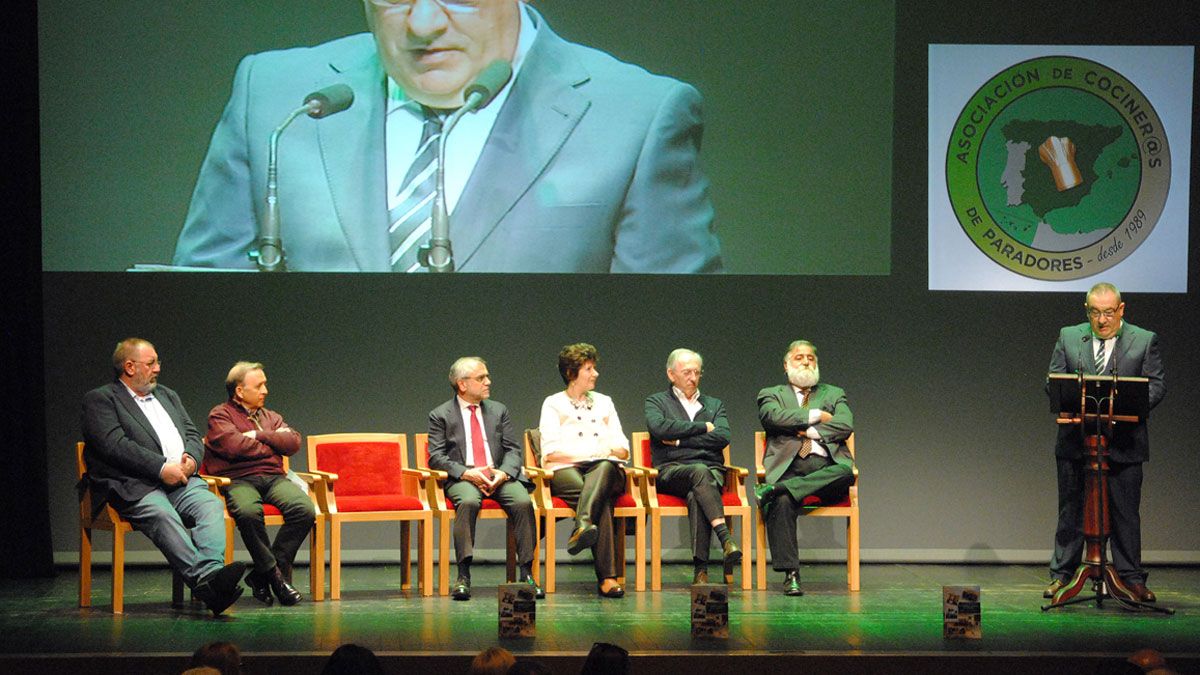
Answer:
(577, 163)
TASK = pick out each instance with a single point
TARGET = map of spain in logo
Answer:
(1058, 168)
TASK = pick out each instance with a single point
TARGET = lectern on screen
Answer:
(1133, 394)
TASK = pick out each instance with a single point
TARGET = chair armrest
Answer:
(538, 472)
(416, 473)
(760, 475)
(215, 481)
(327, 475)
(739, 471)
(309, 477)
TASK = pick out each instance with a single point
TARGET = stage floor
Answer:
(897, 614)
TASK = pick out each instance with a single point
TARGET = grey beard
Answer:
(804, 378)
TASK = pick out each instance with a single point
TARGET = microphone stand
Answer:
(269, 255)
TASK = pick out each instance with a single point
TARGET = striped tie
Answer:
(411, 217)
(806, 442)
(1100, 358)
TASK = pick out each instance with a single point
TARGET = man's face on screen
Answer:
(434, 48)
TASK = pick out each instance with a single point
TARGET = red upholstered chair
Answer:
(443, 513)
(107, 518)
(847, 508)
(367, 479)
(626, 507)
(272, 516)
(733, 498)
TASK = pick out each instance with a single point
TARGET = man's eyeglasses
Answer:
(1097, 313)
(455, 6)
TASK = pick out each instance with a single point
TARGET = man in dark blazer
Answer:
(689, 432)
(806, 460)
(1105, 345)
(591, 164)
(142, 454)
(472, 439)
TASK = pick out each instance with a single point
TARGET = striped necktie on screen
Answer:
(1100, 357)
(410, 220)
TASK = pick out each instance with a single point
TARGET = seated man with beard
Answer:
(806, 459)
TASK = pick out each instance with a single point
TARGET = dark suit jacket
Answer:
(448, 440)
(592, 166)
(123, 454)
(667, 420)
(1135, 353)
(782, 418)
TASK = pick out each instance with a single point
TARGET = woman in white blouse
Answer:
(582, 443)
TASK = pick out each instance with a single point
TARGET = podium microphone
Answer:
(439, 256)
(269, 255)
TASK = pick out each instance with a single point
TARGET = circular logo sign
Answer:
(1058, 168)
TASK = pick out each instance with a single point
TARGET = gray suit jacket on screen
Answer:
(592, 166)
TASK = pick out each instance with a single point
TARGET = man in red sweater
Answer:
(247, 443)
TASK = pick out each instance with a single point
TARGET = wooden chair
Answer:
(106, 518)
(272, 516)
(443, 513)
(627, 506)
(847, 508)
(733, 498)
(366, 479)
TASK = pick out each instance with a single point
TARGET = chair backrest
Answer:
(421, 450)
(533, 447)
(640, 449)
(366, 464)
(760, 447)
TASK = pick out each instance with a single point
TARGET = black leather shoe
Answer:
(287, 595)
(583, 537)
(462, 589)
(791, 584)
(1054, 587)
(733, 555)
(537, 590)
(614, 592)
(222, 588)
(764, 495)
(700, 577)
(259, 588)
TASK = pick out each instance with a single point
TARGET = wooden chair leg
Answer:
(656, 550)
(118, 571)
(537, 548)
(760, 562)
(229, 528)
(852, 552)
(316, 559)
(444, 553)
(335, 559)
(550, 544)
(405, 556)
(747, 552)
(425, 556)
(639, 538)
(85, 567)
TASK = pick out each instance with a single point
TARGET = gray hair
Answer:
(124, 352)
(461, 369)
(680, 354)
(1102, 287)
(237, 375)
(797, 344)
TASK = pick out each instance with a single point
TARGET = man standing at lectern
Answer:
(581, 163)
(1105, 345)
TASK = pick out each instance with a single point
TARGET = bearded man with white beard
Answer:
(807, 462)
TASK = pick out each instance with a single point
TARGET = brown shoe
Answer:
(1054, 587)
(700, 577)
(1141, 593)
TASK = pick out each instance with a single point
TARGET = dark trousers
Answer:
(813, 475)
(1124, 497)
(590, 489)
(245, 499)
(512, 496)
(701, 485)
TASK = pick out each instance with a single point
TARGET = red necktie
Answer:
(480, 458)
